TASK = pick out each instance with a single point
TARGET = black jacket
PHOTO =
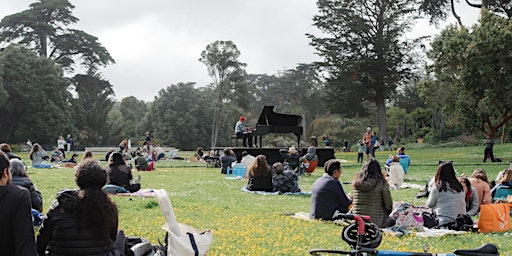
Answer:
(35, 196)
(62, 233)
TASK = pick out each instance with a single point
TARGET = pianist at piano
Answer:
(243, 132)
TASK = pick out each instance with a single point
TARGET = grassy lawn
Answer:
(251, 224)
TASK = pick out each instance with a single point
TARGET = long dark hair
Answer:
(95, 208)
(36, 147)
(260, 166)
(446, 174)
(369, 171)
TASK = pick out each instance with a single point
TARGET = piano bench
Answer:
(235, 140)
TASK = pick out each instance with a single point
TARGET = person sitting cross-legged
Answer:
(259, 175)
(327, 195)
(284, 180)
(121, 174)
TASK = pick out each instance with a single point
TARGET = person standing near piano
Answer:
(243, 132)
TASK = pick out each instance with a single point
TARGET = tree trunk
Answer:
(43, 51)
(381, 117)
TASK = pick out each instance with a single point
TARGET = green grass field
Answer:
(251, 224)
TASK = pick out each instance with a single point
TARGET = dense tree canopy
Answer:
(477, 66)
(44, 28)
(35, 101)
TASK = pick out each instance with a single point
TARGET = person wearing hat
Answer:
(367, 141)
(243, 132)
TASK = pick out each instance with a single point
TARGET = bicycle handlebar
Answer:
(360, 219)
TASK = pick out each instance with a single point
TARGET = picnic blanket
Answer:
(146, 192)
(427, 232)
(305, 216)
(411, 185)
(244, 188)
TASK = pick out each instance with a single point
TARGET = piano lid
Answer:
(270, 118)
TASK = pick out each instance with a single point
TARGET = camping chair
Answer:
(405, 161)
(501, 193)
(183, 239)
(173, 152)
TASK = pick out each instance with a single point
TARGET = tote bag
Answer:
(494, 218)
(183, 240)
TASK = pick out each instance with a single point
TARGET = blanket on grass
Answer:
(146, 192)
(393, 231)
(244, 188)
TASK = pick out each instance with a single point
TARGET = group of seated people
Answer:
(260, 175)
(449, 195)
(80, 222)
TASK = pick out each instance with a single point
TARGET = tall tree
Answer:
(366, 55)
(178, 116)
(437, 10)
(477, 66)
(44, 27)
(34, 97)
(91, 106)
(221, 61)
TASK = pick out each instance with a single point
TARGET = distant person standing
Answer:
(367, 141)
(488, 151)
(61, 144)
(68, 142)
(313, 141)
(148, 138)
(360, 150)
(327, 140)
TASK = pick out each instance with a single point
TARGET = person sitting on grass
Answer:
(17, 232)
(291, 157)
(472, 206)
(120, 174)
(56, 155)
(284, 180)
(396, 173)
(446, 197)
(259, 175)
(20, 178)
(37, 155)
(327, 195)
(83, 221)
(226, 160)
(308, 162)
(6, 148)
(480, 182)
(372, 196)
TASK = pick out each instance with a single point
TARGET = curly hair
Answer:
(95, 207)
(370, 170)
(260, 166)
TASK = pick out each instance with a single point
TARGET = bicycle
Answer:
(364, 237)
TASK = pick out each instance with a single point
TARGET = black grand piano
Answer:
(272, 122)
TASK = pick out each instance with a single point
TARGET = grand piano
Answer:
(272, 122)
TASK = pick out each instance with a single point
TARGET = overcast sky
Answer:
(157, 43)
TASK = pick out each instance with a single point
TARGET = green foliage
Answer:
(227, 72)
(179, 117)
(35, 101)
(472, 71)
(91, 106)
(45, 25)
(365, 55)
